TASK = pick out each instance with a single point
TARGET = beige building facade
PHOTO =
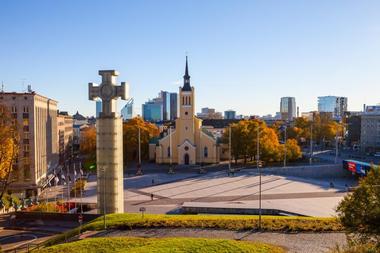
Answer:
(36, 118)
(188, 143)
(65, 136)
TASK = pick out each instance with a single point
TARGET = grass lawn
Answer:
(134, 245)
(228, 222)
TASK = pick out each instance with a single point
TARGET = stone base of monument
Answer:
(109, 157)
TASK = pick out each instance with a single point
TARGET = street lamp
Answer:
(229, 149)
(258, 167)
(170, 151)
(311, 143)
(139, 169)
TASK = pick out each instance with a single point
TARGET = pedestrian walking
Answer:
(151, 196)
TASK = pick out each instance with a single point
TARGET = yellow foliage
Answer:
(9, 145)
(130, 137)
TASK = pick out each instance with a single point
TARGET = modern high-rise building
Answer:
(153, 111)
(230, 114)
(173, 106)
(337, 106)
(98, 107)
(162, 108)
(165, 97)
(36, 117)
(127, 111)
(288, 108)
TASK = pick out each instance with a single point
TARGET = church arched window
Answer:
(183, 100)
(189, 100)
(205, 152)
(169, 152)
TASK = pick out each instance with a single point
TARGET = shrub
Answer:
(359, 212)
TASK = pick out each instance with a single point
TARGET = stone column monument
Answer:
(109, 143)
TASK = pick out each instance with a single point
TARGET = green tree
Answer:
(359, 212)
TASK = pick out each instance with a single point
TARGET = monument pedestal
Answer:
(109, 160)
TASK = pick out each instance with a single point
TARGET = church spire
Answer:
(186, 79)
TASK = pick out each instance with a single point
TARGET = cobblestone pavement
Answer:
(297, 195)
(293, 242)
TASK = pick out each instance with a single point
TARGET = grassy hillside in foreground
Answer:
(140, 245)
(229, 222)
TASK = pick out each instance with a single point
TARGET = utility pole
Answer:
(285, 146)
(336, 147)
(139, 169)
(229, 149)
(258, 167)
(311, 143)
(170, 151)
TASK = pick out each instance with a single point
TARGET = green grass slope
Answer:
(229, 222)
(163, 245)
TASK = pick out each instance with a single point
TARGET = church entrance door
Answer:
(187, 159)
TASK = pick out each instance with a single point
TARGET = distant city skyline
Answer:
(243, 55)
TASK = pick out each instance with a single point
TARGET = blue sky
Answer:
(243, 55)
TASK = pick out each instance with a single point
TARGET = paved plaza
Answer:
(302, 196)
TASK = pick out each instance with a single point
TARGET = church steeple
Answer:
(186, 79)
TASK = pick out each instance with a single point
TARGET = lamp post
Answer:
(311, 143)
(258, 166)
(336, 147)
(285, 145)
(139, 169)
(170, 151)
(229, 149)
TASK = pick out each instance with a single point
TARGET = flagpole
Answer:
(81, 183)
(75, 188)
(68, 188)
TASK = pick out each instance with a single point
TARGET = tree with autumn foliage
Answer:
(88, 145)
(244, 142)
(130, 138)
(9, 147)
(325, 130)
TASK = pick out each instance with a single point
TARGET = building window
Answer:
(205, 152)
(189, 100)
(26, 109)
(14, 109)
(168, 151)
(186, 113)
(186, 148)
(27, 172)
